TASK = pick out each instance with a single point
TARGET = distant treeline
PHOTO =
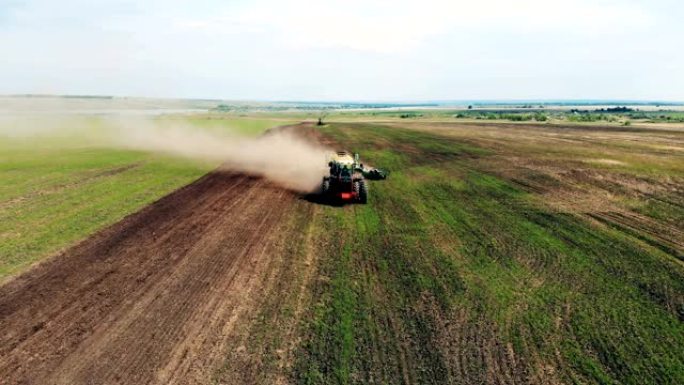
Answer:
(613, 114)
(609, 110)
(497, 115)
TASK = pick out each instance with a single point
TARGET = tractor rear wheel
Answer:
(361, 191)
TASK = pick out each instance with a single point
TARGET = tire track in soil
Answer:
(151, 299)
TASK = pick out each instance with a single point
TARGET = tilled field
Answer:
(151, 299)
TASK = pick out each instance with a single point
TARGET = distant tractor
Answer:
(346, 181)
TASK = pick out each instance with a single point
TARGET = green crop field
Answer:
(500, 255)
(56, 190)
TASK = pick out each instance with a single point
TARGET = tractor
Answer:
(346, 181)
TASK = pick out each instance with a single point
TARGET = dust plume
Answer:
(280, 156)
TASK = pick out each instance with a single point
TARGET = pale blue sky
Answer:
(345, 50)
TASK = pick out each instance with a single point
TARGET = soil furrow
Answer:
(151, 299)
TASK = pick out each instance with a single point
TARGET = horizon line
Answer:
(405, 102)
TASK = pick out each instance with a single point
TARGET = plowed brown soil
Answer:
(152, 299)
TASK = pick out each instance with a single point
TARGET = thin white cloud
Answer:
(394, 26)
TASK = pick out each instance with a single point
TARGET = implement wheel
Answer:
(325, 187)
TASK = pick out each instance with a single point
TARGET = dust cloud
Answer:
(279, 155)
